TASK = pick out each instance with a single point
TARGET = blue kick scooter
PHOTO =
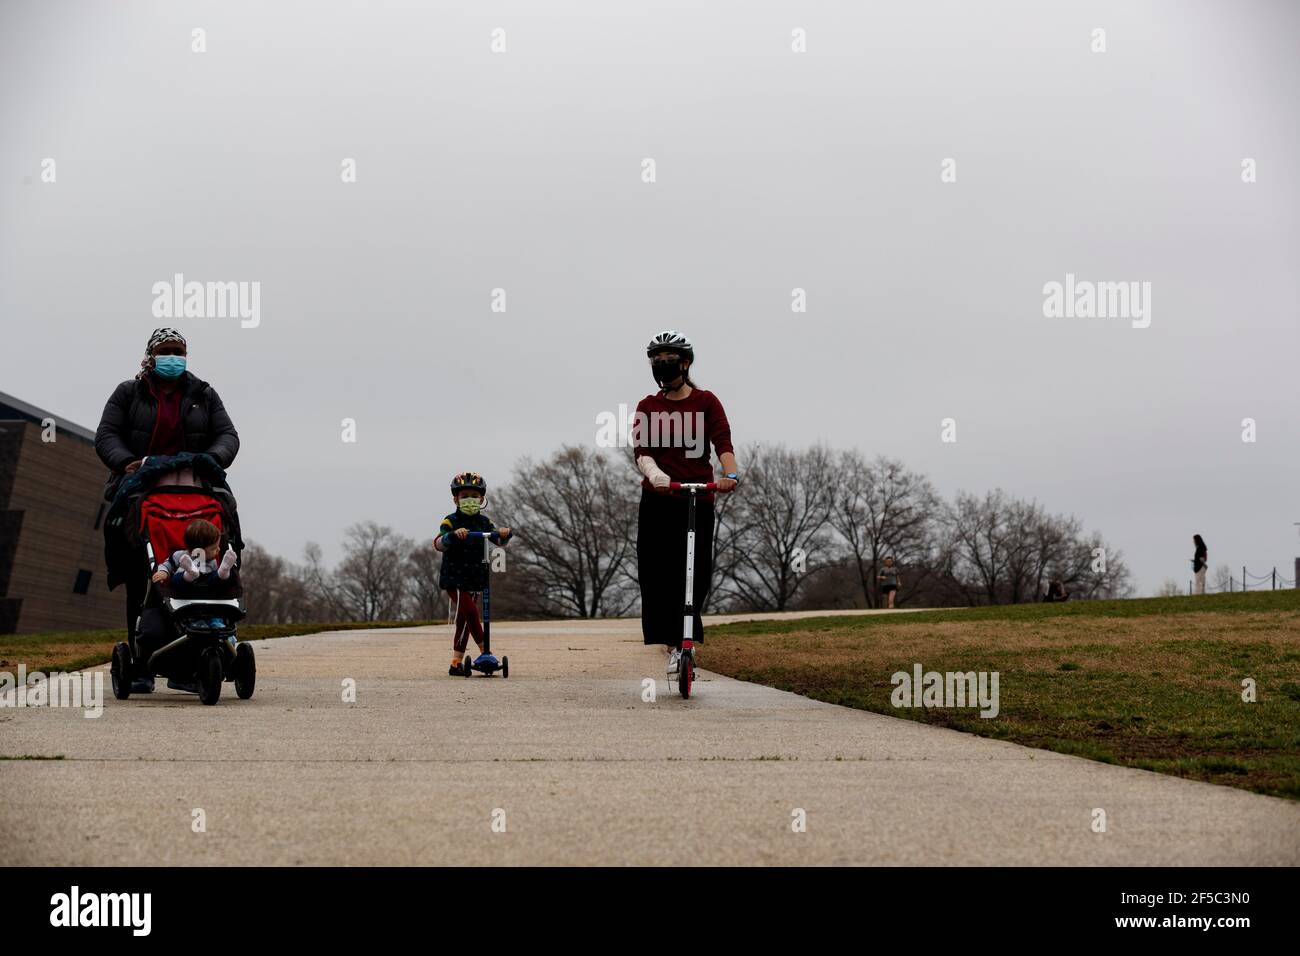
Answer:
(487, 663)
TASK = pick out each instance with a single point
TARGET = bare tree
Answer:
(1005, 550)
(785, 539)
(1170, 588)
(427, 601)
(880, 508)
(977, 533)
(319, 582)
(799, 516)
(732, 526)
(277, 592)
(576, 514)
(371, 581)
(1090, 568)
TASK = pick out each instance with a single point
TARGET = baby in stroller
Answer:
(202, 543)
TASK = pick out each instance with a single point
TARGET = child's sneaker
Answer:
(456, 669)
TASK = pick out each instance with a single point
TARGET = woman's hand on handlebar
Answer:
(133, 467)
(727, 484)
(661, 485)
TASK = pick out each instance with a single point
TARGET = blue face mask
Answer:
(169, 367)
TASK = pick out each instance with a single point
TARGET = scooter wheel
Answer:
(505, 667)
(210, 676)
(686, 675)
(467, 667)
(120, 670)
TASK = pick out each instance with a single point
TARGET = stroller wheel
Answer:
(505, 667)
(210, 676)
(120, 670)
(245, 671)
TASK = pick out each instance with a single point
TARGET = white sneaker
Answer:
(674, 660)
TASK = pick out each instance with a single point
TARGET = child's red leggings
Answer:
(464, 611)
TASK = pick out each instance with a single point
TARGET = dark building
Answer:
(51, 509)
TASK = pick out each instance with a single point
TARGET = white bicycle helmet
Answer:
(670, 341)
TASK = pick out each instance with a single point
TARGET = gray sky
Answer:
(775, 170)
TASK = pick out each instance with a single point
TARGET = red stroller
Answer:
(186, 634)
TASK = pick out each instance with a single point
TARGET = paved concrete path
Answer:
(583, 771)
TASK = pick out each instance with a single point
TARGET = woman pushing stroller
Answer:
(164, 410)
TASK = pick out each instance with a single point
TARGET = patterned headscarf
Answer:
(158, 338)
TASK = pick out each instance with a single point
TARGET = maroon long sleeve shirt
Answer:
(677, 435)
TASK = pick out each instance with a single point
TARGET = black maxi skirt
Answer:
(661, 564)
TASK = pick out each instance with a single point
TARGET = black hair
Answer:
(1200, 542)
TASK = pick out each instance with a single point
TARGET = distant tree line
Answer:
(806, 529)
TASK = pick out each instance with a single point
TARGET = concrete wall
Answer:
(50, 512)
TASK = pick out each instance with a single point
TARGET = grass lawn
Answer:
(72, 650)
(1151, 683)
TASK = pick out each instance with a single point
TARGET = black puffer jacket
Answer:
(128, 422)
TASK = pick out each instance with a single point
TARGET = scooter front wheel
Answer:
(505, 667)
(686, 675)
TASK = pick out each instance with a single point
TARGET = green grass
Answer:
(1151, 683)
(1249, 602)
(72, 650)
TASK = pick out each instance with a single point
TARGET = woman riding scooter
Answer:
(671, 429)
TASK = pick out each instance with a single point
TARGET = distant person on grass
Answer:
(1200, 561)
(1056, 591)
(888, 578)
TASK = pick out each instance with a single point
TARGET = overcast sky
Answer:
(775, 170)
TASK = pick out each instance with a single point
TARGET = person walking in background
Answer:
(888, 578)
(1056, 591)
(1200, 561)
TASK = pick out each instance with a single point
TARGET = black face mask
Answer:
(666, 372)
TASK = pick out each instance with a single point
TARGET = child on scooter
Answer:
(464, 575)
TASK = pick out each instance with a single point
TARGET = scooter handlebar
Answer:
(693, 486)
(491, 535)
